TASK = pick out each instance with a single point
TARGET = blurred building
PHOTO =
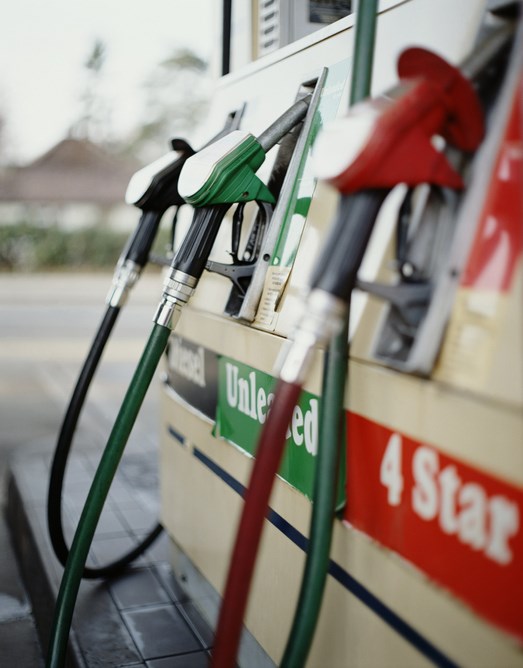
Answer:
(75, 184)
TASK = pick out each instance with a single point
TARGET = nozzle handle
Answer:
(284, 124)
(337, 267)
(196, 247)
(142, 239)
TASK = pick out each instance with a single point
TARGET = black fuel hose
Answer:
(136, 251)
(61, 456)
(161, 194)
(139, 248)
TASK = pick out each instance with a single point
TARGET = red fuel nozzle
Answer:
(388, 140)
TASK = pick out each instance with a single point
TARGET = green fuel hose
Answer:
(62, 452)
(324, 504)
(98, 493)
(331, 418)
(363, 56)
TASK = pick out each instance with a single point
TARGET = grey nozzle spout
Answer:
(272, 135)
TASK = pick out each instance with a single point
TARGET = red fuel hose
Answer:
(268, 456)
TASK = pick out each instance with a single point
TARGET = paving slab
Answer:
(136, 619)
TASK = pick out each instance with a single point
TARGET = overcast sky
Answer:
(45, 43)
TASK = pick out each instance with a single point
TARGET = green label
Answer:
(244, 397)
(305, 184)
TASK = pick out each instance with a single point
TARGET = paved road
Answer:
(46, 325)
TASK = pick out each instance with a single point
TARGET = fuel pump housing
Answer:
(428, 545)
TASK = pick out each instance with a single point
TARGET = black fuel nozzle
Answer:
(221, 174)
(153, 189)
(155, 186)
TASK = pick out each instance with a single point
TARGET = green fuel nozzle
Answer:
(222, 174)
(225, 171)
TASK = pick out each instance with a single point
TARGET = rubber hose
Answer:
(330, 430)
(323, 507)
(268, 456)
(363, 56)
(98, 492)
(61, 455)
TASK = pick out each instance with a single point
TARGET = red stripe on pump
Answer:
(499, 240)
(458, 524)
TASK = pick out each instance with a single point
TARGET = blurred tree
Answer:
(93, 121)
(5, 139)
(2, 136)
(176, 97)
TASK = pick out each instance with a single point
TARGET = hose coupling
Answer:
(178, 288)
(322, 318)
(125, 276)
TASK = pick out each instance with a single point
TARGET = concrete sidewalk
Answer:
(46, 326)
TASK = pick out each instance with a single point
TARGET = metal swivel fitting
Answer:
(322, 318)
(178, 288)
(125, 276)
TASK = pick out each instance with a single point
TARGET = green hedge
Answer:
(26, 247)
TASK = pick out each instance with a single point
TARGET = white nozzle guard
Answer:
(198, 169)
(342, 141)
(142, 179)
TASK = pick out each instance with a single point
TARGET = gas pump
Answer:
(216, 389)
(378, 145)
(230, 364)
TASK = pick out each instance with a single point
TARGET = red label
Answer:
(459, 525)
(499, 239)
